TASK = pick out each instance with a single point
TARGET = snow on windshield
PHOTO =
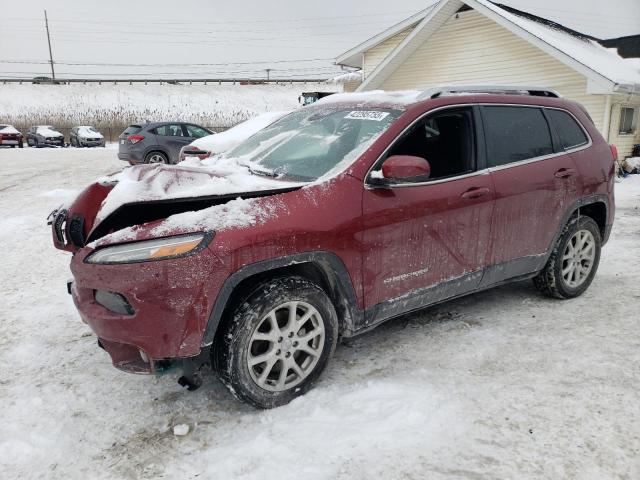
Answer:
(308, 144)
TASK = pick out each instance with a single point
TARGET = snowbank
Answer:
(106, 105)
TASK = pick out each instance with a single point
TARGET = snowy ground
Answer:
(503, 384)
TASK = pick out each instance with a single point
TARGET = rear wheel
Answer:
(156, 157)
(277, 343)
(574, 260)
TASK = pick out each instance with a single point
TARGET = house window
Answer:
(628, 119)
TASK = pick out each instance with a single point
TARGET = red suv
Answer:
(331, 220)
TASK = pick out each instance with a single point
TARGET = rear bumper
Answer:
(171, 302)
(134, 158)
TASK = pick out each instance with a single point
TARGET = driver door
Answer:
(428, 240)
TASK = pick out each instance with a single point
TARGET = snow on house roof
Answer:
(353, 57)
(610, 71)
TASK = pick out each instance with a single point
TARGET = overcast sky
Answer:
(292, 37)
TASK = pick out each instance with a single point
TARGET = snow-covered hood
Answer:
(9, 129)
(145, 183)
(86, 132)
(47, 132)
(221, 142)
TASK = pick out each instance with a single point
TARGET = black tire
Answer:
(20, 145)
(151, 156)
(230, 355)
(550, 280)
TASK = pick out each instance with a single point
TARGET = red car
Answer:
(333, 219)
(10, 136)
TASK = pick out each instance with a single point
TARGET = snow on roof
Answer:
(221, 142)
(347, 77)
(372, 97)
(353, 57)
(578, 51)
(588, 52)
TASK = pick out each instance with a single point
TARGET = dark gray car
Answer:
(157, 142)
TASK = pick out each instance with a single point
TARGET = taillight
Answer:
(135, 138)
(614, 152)
(193, 151)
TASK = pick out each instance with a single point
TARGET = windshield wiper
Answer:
(265, 172)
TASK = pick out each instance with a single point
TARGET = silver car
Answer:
(86, 136)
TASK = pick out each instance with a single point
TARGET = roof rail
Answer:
(441, 91)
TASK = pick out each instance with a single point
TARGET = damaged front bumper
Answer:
(147, 315)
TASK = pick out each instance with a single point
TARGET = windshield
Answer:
(309, 143)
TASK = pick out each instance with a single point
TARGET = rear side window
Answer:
(569, 132)
(196, 132)
(515, 133)
(132, 130)
(170, 131)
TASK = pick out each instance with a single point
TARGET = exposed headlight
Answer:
(147, 250)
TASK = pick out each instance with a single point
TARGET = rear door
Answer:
(428, 240)
(531, 180)
(172, 137)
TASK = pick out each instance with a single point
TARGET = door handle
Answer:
(475, 193)
(564, 173)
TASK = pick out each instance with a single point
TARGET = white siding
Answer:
(472, 49)
(378, 53)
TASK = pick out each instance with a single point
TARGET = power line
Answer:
(100, 64)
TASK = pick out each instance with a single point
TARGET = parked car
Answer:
(157, 142)
(217, 143)
(44, 136)
(333, 219)
(10, 136)
(86, 136)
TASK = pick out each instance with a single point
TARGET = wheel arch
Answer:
(324, 268)
(154, 149)
(594, 206)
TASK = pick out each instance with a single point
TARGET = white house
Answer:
(479, 42)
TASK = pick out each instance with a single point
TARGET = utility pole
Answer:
(46, 24)
(268, 71)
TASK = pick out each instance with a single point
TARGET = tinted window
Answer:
(196, 132)
(132, 130)
(570, 133)
(170, 131)
(515, 133)
(445, 139)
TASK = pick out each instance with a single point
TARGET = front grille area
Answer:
(59, 224)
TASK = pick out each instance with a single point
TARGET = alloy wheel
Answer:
(578, 258)
(285, 346)
(156, 158)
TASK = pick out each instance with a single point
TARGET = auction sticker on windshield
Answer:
(367, 115)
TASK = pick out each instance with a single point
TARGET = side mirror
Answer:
(403, 168)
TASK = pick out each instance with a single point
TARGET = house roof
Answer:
(608, 70)
(353, 57)
(628, 47)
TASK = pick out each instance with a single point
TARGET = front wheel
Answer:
(574, 260)
(277, 343)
